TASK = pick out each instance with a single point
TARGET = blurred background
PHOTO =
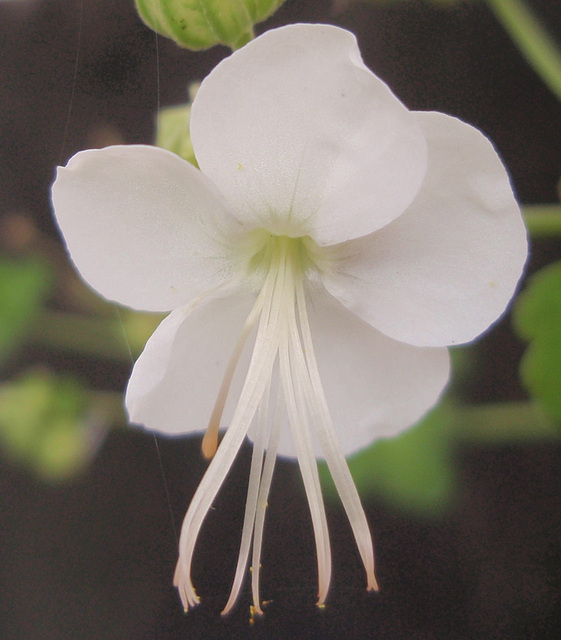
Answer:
(465, 509)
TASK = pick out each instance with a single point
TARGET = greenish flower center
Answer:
(264, 251)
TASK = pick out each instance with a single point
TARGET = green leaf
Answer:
(42, 419)
(24, 285)
(538, 308)
(414, 472)
(537, 318)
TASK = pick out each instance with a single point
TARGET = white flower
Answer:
(331, 246)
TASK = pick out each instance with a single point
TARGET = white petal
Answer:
(176, 379)
(446, 269)
(302, 139)
(375, 386)
(144, 227)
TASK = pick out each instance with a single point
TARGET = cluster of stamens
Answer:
(282, 384)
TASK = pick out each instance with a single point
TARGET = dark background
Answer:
(94, 558)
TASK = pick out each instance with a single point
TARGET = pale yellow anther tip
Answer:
(209, 445)
(373, 585)
(255, 611)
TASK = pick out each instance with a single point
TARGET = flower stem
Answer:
(532, 40)
(543, 221)
(504, 423)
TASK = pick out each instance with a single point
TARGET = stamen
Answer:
(257, 379)
(259, 446)
(260, 480)
(210, 439)
(304, 449)
(329, 443)
(308, 468)
(264, 489)
(283, 336)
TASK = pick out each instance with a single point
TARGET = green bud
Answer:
(200, 24)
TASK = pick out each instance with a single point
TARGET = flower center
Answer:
(262, 251)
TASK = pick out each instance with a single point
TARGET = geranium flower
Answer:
(316, 266)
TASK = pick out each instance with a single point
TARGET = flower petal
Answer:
(176, 379)
(143, 227)
(302, 139)
(446, 269)
(375, 386)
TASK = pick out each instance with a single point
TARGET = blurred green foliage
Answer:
(414, 472)
(537, 318)
(24, 285)
(42, 424)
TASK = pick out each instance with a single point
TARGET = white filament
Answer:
(258, 375)
(323, 424)
(259, 446)
(210, 439)
(266, 480)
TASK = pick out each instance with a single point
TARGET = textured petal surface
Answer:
(375, 386)
(446, 269)
(302, 139)
(143, 227)
(176, 379)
